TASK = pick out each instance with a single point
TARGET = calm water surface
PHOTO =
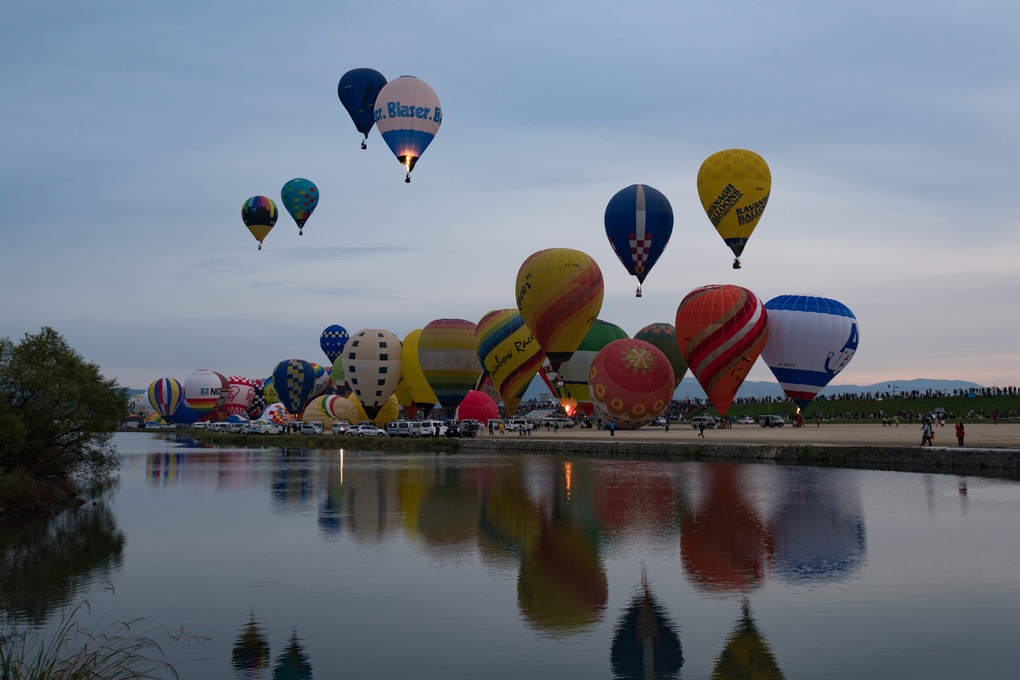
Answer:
(381, 565)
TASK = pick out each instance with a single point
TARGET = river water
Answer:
(381, 565)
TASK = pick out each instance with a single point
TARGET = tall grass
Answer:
(109, 650)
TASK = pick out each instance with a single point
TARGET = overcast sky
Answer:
(131, 133)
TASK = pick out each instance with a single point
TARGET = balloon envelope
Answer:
(559, 294)
(357, 90)
(239, 396)
(663, 336)
(449, 360)
(204, 390)
(165, 395)
(372, 362)
(811, 339)
(509, 354)
(639, 222)
(300, 196)
(295, 381)
(631, 383)
(734, 187)
(332, 341)
(477, 406)
(408, 115)
(259, 214)
(721, 331)
(574, 371)
(421, 393)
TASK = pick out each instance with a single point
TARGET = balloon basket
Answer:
(736, 263)
(407, 178)
(260, 246)
(300, 232)
(638, 292)
(363, 145)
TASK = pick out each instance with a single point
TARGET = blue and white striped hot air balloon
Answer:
(408, 115)
(811, 339)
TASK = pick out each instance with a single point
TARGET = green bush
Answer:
(57, 412)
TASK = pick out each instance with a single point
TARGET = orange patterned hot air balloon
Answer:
(721, 331)
(559, 293)
(631, 383)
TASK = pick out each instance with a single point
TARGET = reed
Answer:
(124, 649)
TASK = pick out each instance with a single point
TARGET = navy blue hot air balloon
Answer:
(333, 340)
(357, 90)
(639, 222)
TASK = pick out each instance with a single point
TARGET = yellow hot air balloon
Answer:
(734, 188)
(559, 294)
(412, 375)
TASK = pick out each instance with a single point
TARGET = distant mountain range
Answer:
(690, 389)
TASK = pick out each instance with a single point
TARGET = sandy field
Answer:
(978, 435)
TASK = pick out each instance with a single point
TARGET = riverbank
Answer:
(990, 449)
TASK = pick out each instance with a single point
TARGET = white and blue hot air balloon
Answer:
(811, 339)
(408, 115)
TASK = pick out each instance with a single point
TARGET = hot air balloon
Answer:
(205, 390)
(477, 406)
(258, 400)
(295, 381)
(358, 89)
(300, 196)
(239, 397)
(165, 395)
(509, 354)
(734, 188)
(337, 378)
(259, 215)
(421, 394)
(408, 116)
(721, 331)
(332, 341)
(663, 336)
(811, 339)
(631, 383)
(639, 222)
(559, 294)
(371, 362)
(447, 356)
(574, 371)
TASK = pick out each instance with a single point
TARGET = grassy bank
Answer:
(968, 409)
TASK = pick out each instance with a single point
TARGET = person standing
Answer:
(959, 432)
(612, 428)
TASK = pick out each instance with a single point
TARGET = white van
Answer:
(398, 428)
(707, 421)
(341, 427)
(515, 424)
(429, 428)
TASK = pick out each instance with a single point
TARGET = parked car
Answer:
(771, 420)
(746, 420)
(367, 430)
(263, 427)
(660, 421)
(341, 427)
(311, 428)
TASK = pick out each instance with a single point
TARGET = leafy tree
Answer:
(57, 412)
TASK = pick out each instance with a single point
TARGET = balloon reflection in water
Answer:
(645, 644)
(746, 655)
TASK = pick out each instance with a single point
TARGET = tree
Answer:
(57, 411)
